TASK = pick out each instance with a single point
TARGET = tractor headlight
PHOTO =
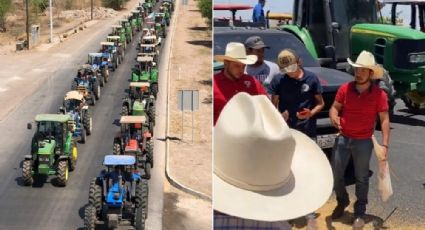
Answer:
(417, 57)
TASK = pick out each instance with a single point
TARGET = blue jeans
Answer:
(360, 150)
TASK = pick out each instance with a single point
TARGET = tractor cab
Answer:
(118, 30)
(128, 30)
(333, 31)
(420, 4)
(53, 150)
(136, 18)
(110, 54)
(95, 60)
(143, 69)
(169, 5)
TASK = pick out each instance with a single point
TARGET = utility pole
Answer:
(91, 10)
(51, 21)
(28, 26)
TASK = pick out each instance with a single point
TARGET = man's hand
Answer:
(304, 114)
(384, 153)
(336, 122)
(285, 115)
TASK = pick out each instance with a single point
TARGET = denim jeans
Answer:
(360, 150)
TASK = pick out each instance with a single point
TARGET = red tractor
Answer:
(135, 139)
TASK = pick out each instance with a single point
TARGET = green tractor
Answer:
(148, 6)
(136, 19)
(139, 102)
(128, 31)
(336, 30)
(146, 71)
(118, 30)
(53, 150)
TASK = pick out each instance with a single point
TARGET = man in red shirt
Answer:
(354, 112)
(232, 79)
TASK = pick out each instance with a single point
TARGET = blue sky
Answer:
(285, 6)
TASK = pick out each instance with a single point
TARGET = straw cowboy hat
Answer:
(367, 60)
(236, 52)
(263, 170)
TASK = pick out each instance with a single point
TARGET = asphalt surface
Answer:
(407, 164)
(44, 205)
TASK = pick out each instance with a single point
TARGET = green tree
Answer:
(205, 6)
(5, 6)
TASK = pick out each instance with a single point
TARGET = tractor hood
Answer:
(389, 31)
(46, 148)
(139, 107)
(330, 79)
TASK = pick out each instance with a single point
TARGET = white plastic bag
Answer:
(384, 181)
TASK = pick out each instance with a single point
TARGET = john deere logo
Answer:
(304, 88)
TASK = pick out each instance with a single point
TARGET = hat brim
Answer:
(378, 71)
(249, 60)
(309, 187)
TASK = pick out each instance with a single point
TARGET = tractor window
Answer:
(351, 12)
(317, 26)
(44, 127)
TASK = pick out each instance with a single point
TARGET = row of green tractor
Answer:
(336, 30)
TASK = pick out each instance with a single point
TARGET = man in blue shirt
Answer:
(297, 93)
(258, 12)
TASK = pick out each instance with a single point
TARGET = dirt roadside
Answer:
(190, 161)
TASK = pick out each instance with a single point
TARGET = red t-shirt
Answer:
(225, 89)
(359, 110)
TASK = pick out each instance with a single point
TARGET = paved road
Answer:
(45, 206)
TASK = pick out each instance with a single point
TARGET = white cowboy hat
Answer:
(236, 52)
(367, 60)
(263, 170)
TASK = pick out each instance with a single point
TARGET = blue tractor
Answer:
(75, 105)
(86, 83)
(110, 54)
(100, 65)
(118, 196)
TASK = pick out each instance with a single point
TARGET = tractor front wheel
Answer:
(93, 99)
(83, 136)
(124, 111)
(154, 90)
(96, 90)
(117, 149)
(27, 172)
(151, 114)
(63, 172)
(90, 217)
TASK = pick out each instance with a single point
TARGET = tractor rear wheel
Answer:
(154, 89)
(124, 111)
(142, 193)
(151, 114)
(27, 172)
(87, 122)
(149, 149)
(90, 217)
(96, 90)
(117, 149)
(95, 196)
(62, 172)
(139, 219)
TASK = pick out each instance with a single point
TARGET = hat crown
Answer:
(235, 50)
(253, 146)
(366, 59)
(286, 58)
